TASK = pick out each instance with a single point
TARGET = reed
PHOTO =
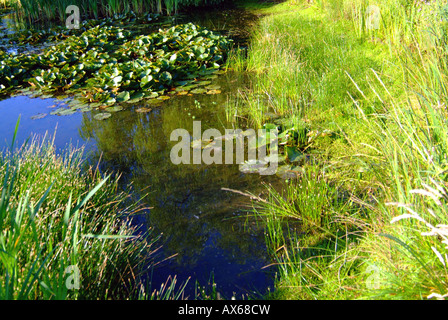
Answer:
(45, 10)
(54, 227)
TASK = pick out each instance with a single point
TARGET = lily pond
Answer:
(121, 95)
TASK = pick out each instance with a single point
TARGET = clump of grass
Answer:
(65, 233)
(391, 157)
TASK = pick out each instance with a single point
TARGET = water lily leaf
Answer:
(114, 109)
(182, 93)
(154, 102)
(38, 116)
(293, 154)
(57, 111)
(198, 91)
(102, 116)
(136, 97)
(275, 158)
(289, 172)
(200, 144)
(252, 166)
(143, 110)
(66, 112)
(203, 83)
(86, 109)
(213, 87)
(123, 96)
(213, 91)
(115, 82)
(165, 76)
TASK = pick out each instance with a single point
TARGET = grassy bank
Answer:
(367, 218)
(67, 233)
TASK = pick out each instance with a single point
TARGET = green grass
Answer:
(58, 221)
(368, 218)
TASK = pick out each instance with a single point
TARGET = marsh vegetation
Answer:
(356, 89)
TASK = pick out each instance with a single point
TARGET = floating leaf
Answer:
(38, 116)
(203, 83)
(114, 109)
(102, 116)
(67, 112)
(123, 96)
(198, 91)
(86, 109)
(166, 76)
(293, 154)
(252, 166)
(213, 87)
(143, 110)
(214, 92)
(54, 112)
(289, 171)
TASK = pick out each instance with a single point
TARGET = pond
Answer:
(206, 231)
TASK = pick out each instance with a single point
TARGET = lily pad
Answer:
(213, 87)
(203, 83)
(86, 109)
(198, 91)
(38, 116)
(293, 154)
(123, 96)
(252, 166)
(114, 109)
(154, 102)
(289, 171)
(67, 112)
(102, 116)
(54, 112)
(275, 158)
(143, 110)
(214, 92)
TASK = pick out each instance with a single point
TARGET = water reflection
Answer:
(205, 226)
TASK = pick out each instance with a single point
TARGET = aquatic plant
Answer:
(32, 10)
(108, 65)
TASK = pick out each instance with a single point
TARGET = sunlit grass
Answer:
(66, 233)
(383, 92)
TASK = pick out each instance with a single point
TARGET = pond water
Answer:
(205, 230)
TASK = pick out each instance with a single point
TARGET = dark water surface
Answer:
(203, 227)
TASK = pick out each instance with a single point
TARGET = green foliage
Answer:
(382, 92)
(108, 65)
(31, 10)
(52, 222)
